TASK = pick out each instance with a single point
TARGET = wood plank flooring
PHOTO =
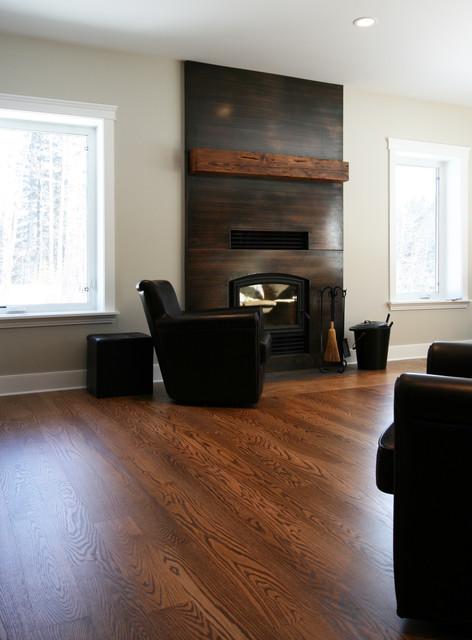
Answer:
(135, 517)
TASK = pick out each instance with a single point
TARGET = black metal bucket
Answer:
(371, 344)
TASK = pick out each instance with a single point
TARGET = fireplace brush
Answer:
(331, 352)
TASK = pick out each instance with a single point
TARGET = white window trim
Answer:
(446, 153)
(412, 305)
(103, 117)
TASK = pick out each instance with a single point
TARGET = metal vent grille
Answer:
(246, 239)
(290, 343)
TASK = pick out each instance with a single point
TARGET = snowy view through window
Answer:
(417, 229)
(43, 198)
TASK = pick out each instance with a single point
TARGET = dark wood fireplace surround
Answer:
(265, 162)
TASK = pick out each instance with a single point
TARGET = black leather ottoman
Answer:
(119, 364)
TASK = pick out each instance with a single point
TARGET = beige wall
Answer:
(369, 119)
(149, 190)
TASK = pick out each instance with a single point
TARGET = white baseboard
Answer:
(399, 352)
(36, 382)
(408, 351)
(403, 351)
(51, 381)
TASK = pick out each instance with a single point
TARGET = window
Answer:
(56, 211)
(428, 224)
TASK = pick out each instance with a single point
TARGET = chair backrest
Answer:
(159, 300)
(450, 359)
(159, 297)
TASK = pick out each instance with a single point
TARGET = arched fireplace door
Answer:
(284, 300)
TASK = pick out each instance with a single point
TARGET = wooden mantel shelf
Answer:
(265, 165)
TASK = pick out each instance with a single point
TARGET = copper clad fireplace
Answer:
(264, 201)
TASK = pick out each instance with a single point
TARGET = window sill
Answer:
(11, 320)
(413, 305)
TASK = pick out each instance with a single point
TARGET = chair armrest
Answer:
(450, 359)
(211, 319)
(431, 525)
(420, 397)
(432, 398)
(384, 467)
(230, 311)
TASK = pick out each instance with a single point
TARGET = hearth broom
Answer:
(331, 353)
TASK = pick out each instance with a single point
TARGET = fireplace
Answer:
(284, 301)
(264, 202)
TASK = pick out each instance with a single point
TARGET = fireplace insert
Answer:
(284, 301)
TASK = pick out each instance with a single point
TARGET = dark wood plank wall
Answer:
(249, 111)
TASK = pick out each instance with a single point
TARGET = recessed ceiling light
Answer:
(365, 22)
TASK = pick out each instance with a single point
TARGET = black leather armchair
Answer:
(212, 356)
(424, 459)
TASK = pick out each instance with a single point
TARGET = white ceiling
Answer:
(418, 48)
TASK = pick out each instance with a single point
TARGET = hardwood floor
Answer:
(139, 518)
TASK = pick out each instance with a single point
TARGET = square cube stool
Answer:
(119, 364)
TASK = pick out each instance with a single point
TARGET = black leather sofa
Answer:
(215, 356)
(424, 459)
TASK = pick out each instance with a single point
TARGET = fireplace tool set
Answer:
(331, 351)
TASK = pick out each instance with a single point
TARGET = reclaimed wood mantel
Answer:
(265, 165)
